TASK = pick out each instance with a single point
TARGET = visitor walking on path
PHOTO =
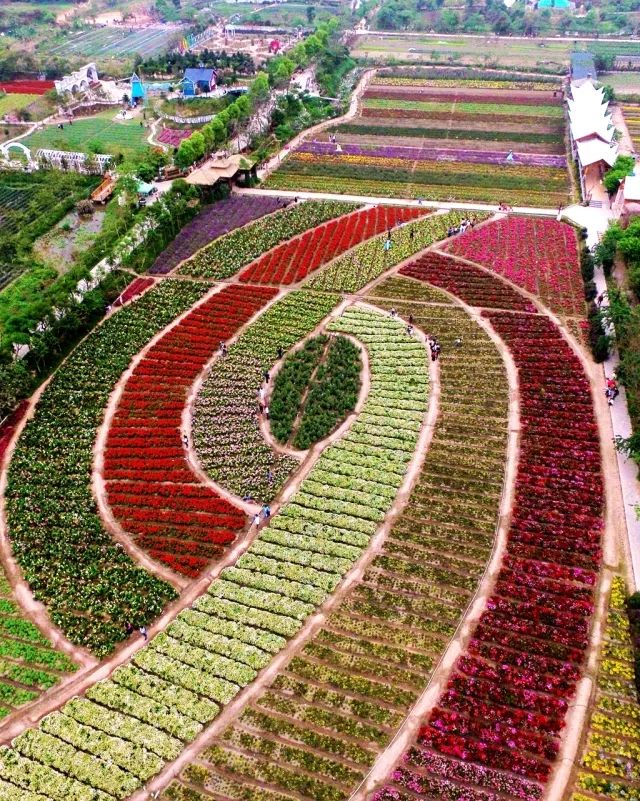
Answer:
(256, 520)
(266, 511)
(143, 632)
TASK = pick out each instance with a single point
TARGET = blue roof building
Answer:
(138, 91)
(583, 66)
(198, 79)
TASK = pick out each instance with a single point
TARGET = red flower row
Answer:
(504, 707)
(470, 284)
(152, 491)
(135, 288)
(10, 424)
(295, 259)
(26, 87)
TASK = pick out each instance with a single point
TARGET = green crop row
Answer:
(461, 107)
(459, 134)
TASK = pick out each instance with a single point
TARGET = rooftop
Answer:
(583, 66)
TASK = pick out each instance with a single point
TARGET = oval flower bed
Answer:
(314, 390)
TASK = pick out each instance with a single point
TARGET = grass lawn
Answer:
(10, 103)
(125, 137)
(624, 83)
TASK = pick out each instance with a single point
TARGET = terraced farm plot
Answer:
(117, 42)
(440, 142)
(126, 136)
(503, 51)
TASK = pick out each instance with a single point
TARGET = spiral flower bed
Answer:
(151, 490)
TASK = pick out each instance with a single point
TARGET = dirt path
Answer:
(274, 161)
(316, 621)
(625, 144)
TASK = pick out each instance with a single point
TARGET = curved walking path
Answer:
(317, 620)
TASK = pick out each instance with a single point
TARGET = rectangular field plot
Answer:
(429, 139)
(505, 52)
(117, 42)
(501, 51)
(631, 114)
(113, 136)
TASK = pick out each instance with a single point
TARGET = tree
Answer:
(449, 20)
(283, 71)
(243, 104)
(313, 46)
(622, 167)
(218, 130)
(186, 154)
(311, 14)
(198, 144)
(15, 384)
(259, 89)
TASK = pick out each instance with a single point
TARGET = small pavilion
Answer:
(234, 169)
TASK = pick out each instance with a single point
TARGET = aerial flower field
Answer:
(279, 528)
(488, 142)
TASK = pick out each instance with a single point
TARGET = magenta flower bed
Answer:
(433, 154)
(495, 731)
(212, 222)
(169, 136)
(539, 255)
